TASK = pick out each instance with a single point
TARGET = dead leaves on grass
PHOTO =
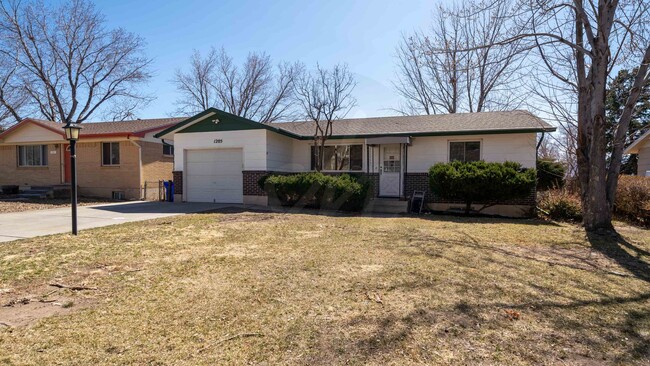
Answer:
(512, 314)
(375, 297)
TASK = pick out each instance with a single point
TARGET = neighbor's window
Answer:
(110, 153)
(168, 149)
(340, 157)
(32, 155)
(465, 150)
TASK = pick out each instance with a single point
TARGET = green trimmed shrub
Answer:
(479, 181)
(560, 205)
(317, 190)
(550, 174)
(633, 199)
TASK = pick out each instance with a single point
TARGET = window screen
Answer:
(340, 157)
(110, 153)
(465, 151)
(32, 155)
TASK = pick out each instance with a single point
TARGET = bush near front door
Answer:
(481, 182)
(317, 190)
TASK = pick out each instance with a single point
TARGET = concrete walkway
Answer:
(29, 224)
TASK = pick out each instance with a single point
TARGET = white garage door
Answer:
(214, 176)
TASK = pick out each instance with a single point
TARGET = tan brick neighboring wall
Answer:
(155, 165)
(96, 180)
(12, 174)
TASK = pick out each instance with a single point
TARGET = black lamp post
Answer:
(72, 135)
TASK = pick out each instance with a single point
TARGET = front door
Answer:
(66, 164)
(390, 178)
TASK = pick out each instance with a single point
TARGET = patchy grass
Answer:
(7, 206)
(240, 288)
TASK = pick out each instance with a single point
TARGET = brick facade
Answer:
(417, 182)
(155, 165)
(178, 182)
(251, 177)
(12, 174)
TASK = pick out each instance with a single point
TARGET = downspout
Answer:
(541, 139)
(139, 164)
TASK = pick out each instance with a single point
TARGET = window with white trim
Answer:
(32, 155)
(464, 150)
(110, 153)
(339, 158)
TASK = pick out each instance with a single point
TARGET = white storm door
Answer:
(391, 171)
(214, 176)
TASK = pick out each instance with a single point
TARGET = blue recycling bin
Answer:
(169, 190)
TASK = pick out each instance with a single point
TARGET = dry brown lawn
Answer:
(273, 288)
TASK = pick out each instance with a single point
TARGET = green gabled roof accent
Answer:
(203, 122)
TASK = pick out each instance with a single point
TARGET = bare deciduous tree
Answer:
(324, 96)
(255, 90)
(593, 38)
(68, 64)
(12, 96)
(601, 36)
(444, 72)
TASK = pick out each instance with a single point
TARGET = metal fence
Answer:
(153, 191)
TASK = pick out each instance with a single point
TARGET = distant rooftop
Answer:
(134, 127)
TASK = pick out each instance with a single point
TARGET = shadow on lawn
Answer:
(460, 219)
(614, 247)
(605, 327)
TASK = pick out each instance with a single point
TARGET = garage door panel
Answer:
(214, 175)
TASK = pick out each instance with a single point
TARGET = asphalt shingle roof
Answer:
(444, 123)
(118, 127)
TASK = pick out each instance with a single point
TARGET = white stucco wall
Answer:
(253, 143)
(428, 150)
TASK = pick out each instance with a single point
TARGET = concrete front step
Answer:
(37, 192)
(32, 195)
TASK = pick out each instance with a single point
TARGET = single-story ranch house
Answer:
(641, 147)
(220, 157)
(114, 159)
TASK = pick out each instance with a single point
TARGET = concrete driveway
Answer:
(29, 224)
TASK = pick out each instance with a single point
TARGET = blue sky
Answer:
(362, 34)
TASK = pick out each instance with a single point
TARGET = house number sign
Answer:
(218, 141)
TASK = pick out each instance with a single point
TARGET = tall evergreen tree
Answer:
(618, 91)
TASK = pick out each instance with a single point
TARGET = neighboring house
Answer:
(641, 147)
(220, 157)
(113, 158)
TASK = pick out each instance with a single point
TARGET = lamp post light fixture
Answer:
(72, 135)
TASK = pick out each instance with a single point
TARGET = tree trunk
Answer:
(597, 212)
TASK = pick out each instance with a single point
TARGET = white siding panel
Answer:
(643, 168)
(428, 150)
(279, 154)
